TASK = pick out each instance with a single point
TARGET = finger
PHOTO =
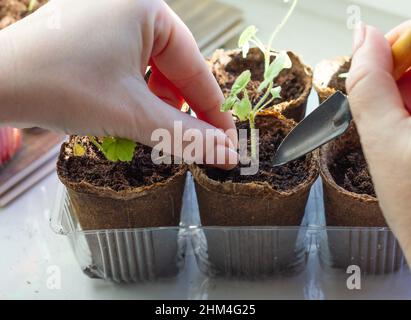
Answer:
(395, 33)
(164, 89)
(404, 84)
(373, 93)
(176, 55)
(158, 118)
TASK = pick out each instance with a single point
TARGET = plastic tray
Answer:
(135, 255)
(122, 255)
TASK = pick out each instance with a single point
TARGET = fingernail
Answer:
(359, 36)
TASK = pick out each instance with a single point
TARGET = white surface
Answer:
(31, 253)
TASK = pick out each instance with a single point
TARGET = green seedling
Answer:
(115, 149)
(238, 101)
(343, 75)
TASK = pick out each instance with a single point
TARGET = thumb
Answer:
(162, 126)
(374, 96)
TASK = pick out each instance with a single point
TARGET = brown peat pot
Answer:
(114, 201)
(296, 82)
(357, 233)
(275, 197)
(326, 78)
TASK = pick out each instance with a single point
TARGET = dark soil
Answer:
(12, 11)
(95, 169)
(227, 68)
(280, 178)
(337, 82)
(350, 171)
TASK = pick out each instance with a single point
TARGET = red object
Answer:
(10, 143)
(164, 88)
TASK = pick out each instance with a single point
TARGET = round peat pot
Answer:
(296, 82)
(358, 233)
(107, 212)
(227, 202)
(326, 78)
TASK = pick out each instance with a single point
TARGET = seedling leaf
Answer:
(275, 92)
(246, 35)
(282, 61)
(118, 149)
(245, 48)
(343, 75)
(241, 82)
(242, 109)
(228, 103)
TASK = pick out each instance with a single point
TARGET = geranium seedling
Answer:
(115, 149)
(242, 107)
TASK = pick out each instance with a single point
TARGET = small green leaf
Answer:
(246, 35)
(242, 109)
(118, 149)
(228, 103)
(282, 61)
(275, 92)
(78, 150)
(241, 82)
(343, 75)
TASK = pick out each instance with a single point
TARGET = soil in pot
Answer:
(327, 79)
(273, 197)
(350, 171)
(296, 82)
(149, 195)
(12, 11)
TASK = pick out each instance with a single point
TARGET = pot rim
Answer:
(323, 72)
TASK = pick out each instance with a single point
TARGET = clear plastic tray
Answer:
(122, 255)
(135, 255)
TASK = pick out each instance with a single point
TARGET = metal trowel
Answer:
(332, 118)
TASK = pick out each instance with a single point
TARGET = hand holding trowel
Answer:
(332, 118)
